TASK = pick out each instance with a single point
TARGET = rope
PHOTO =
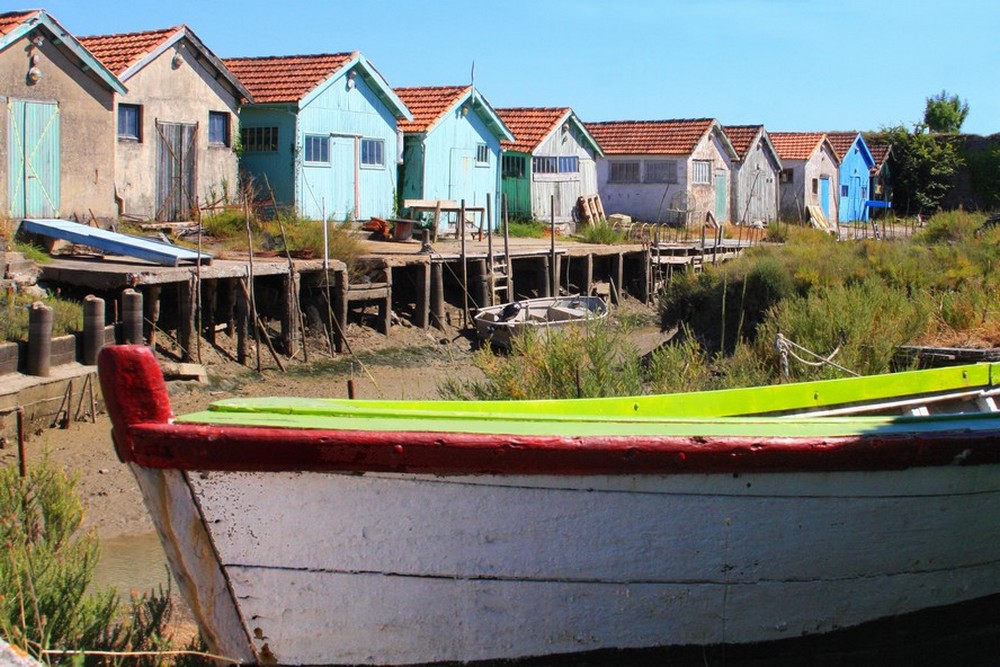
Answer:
(786, 349)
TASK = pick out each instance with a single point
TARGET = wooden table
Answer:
(439, 206)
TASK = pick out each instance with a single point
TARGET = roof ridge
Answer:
(136, 33)
(294, 55)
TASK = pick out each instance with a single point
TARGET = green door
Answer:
(720, 196)
(33, 164)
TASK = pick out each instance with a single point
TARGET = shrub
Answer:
(528, 229)
(599, 233)
(48, 565)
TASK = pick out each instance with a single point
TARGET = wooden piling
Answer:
(437, 295)
(208, 305)
(151, 306)
(241, 312)
(132, 317)
(340, 287)
(39, 339)
(93, 328)
(422, 314)
(186, 319)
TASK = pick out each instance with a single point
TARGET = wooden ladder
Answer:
(500, 282)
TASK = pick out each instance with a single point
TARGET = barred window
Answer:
(701, 172)
(545, 165)
(482, 155)
(514, 166)
(259, 139)
(624, 172)
(661, 171)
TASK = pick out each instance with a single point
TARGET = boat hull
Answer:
(390, 569)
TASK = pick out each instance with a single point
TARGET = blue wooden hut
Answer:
(451, 147)
(323, 131)
(856, 162)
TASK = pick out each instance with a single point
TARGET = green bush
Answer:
(67, 316)
(48, 564)
(526, 229)
(600, 233)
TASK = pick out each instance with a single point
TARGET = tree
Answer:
(923, 166)
(945, 113)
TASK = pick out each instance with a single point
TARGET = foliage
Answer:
(866, 296)
(945, 113)
(984, 171)
(67, 316)
(576, 362)
(923, 166)
(599, 233)
(48, 565)
(526, 229)
(32, 252)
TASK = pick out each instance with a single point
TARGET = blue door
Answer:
(824, 195)
(33, 161)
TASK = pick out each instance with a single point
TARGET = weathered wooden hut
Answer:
(755, 175)
(809, 174)
(881, 175)
(57, 155)
(552, 158)
(854, 174)
(673, 171)
(451, 147)
(174, 148)
(323, 132)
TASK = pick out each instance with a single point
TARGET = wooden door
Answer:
(33, 159)
(176, 170)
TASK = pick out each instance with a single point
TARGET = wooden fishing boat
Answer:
(498, 325)
(309, 532)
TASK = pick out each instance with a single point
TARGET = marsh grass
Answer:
(526, 229)
(600, 233)
(47, 566)
(67, 316)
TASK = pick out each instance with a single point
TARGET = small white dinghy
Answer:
(498, 325)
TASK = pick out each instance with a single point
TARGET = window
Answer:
(545, 165)
(701, 172)
(130, 122)
(317, 148)
(843, 191)
(815, 186)
(661, 171)
(624, 172)
(569, 164)
(513, 166)
(372, 153)
(259, 139)
(218, 128)
(482, 155)
(786, 176)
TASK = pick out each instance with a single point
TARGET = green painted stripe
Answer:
(437, 422)
(750, 401)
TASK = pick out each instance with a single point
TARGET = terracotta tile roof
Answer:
(11, 20)
(742, 136)
(796, 145)
(119, 52)
(649, 137)
(880, 152)
(530, 125)
(286, 78)
(428, 104)
(842, 142)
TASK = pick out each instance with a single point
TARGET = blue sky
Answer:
(789, 64)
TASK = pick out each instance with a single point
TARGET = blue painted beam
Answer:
(113, 242)
(874, 203)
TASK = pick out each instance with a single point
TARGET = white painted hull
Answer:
(401, 568)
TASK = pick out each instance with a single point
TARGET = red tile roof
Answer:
(11, 20)
(880, 152)
(286, 78)
(796, 145)
(119, 52)
(649, 137)
(530, 126)
(842, 142)
(742, 136)
(428, 104)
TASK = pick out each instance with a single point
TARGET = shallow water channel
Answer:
(131, 563)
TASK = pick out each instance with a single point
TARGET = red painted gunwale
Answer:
(137, 401)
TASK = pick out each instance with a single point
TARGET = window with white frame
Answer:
(569, 164)
(624, 171)
(218, 128)
(372, 153)
(259, 139)
(482, 155)
(701, 172)
(544, 164)
(130, 122)
(660, 171)
(317, 148)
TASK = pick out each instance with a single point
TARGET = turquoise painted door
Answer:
(33, 164)
(824, 196)
(720, 196)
